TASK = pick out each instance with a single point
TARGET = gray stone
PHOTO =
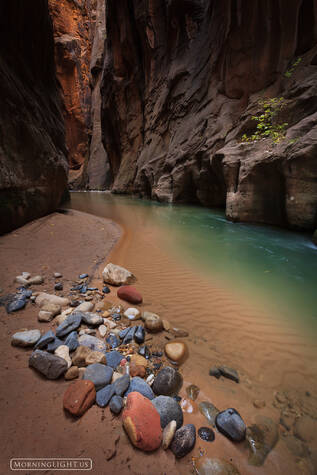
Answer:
(47, 338)
(229, 373)
(72, 341)
(92, 319)
(168, 382)
(51, 347)
(116, 404)
(114, 358)
(230, 424)
(208, 466)
(215, 371)
(92, 342)
(169, 410)
(25, 338)
(49, 365)
(121, 385)
(104, 395)
(184, 440)
(71, 323)
(99, 374)
(140, 386)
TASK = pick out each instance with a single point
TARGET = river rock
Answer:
(84, 307)
(92, 319)
(169, 410)
(44, 316)
(104, 395)
(44, 298)
(57, 275)
(25, 338)
(153, 322)
(69, 324)
(116, 275)
(47, 338)
(72, 373)
(51, 347)
(49, 365)
(139, 360)
(21, 280)
(140, 386)
(63, 352)
(132, 314)
(209, 411)
(52, 308)
(168, 434)
(121, 385)
(139, 335)
(168, 382)
(142, 422)
(184, 440)
(192, 392)
(58, 286)
(207, 434)
(79, 397)
(116, 404)
(175, 351)
(102, 330)
(261, 438)
(129, 294)
(179, 333)
(229, 373)
(113, 341)
(215, 371)
(72, 341)
(36, 280)
(99, 374)
(137, 370)
(209, 466)
(230, 424)
(114, 358)
(80, 355)
(92, 342)
(17, 302)
(95, 357)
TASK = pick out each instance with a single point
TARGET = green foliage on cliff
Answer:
(268, 126)
(294, 65)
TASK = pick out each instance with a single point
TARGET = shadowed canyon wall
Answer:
(182, 80)
(33, 165)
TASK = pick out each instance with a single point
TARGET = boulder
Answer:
(142, 422)
(176, 351)
(117, 275)
(169, 410)
(51, 366)
(168, 382)
(230, 424)
(129, 294)
(184, 440)
(99, 374)
(25, 338)
(44, 298)
(79, 397)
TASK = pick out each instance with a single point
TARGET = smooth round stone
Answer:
(84, 307)
(72, 373)
(116, 404)
(168, 382)
(139, 335)
(153, 323)
(52, 308)
(168, 410)
(139, 360)
(175, 351)
(230, 424)
(208, 466)
(71, 323)
(140, 386)
(184, 440)
(99, 374)
(132, 313)
(209, 411)
(79, 397)
(44, 316)
(83, 276)
(207, 434)
(129, 294)
(137, 370)
(36, 280)
(104, 395)
(192, 392)
(95, 357)
(168, 434)
(121, 385)
(92, 319)
(49, 365)
(25, 338)
(63, 352)
(43, 298)
(113, 358)
(58, 286)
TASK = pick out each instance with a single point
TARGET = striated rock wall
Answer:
(181, 81)
(33, 166)
(74, 26)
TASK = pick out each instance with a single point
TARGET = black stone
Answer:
(230, 424)
(113, 341)
(207, 434)
(184, 440)
(145, 352)
(168, 382)
(106, 290)
(116, 317)
(139, 335)
(75, 303)
(158, 354)
(229, 373)
(25, 292)
(129, 336)
(214, 371)
(58, 286)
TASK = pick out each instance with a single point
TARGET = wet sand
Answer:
(222, 329)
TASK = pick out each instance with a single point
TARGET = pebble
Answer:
(137, 370)
(99, 374)
(139, 335)
(72, 322)
(72, 373)
(209, 411)
(26, 275)
(45, 316)
(84, 307)
(207, 434)
(261, 439)
(175, 351)
(104, 395)
(49, 365)
(169, 410)
(208, 466)
(51, 347)
(102, 330)
(129, 335)
(25, 338)
(92, 342)
(116, 404)
(144, 351)
(153, 322)
(129, 294)
(52, 308)
(58, 286)
(79, 397)
(109, 323)
(21, 280)
(113, 341)
(86, 331)
(230, 424)
(168, 434)
(166, 325)
(63, 352)
(106, 290)
(36, 280)
(117, 275)
(83, 276)
(184, 440)
(16, 303)
(139, 385)
(229, 373)
(214, 371)
(121, 385)
(72, 341)
(116, 375)
(141, 421)
(80, 355)
(43, 298)
(92, 319)
(132, 314)
(168, 382)
(150, 379)
(139, 360)
(47, 338)
(57, 275)
(178, 333)
(113, 358)
(95, 357)
(192, 392)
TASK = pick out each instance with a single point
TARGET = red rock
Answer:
(130, 294)
(142, 422)
(137, 370)
(79, 397)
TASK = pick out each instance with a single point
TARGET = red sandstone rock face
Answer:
(74, 24)
(79, 397)
(130, 294)
(181, 82)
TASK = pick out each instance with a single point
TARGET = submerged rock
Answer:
(230, 424)
(261, 439)
(209, 466)
(192, 392)
(209, 411)
(207, 434)
(184, 440)
(117, 275)
(63, 352)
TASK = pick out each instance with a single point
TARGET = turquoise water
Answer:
(277, 266)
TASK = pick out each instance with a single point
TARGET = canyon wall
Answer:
(181, 82)
(33, 165)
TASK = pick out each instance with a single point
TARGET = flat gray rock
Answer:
(25, 338)
(71, 323)
(92, 319)
(92, 342)
(121, 384)
(47, 338)
(99, 374)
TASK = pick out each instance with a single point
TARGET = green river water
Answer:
(279, 267)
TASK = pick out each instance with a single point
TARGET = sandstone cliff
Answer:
(33, 167)
(182, 80)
